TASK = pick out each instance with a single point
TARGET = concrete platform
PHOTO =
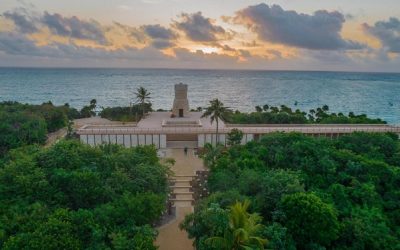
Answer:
(155, 120)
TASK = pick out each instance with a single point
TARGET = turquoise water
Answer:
(376, 94)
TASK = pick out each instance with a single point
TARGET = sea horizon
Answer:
(372, 93)
(208, 69)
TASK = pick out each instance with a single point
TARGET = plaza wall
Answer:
(127, 140)
(211, 138)
(158, 140)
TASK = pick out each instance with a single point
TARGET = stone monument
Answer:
(181, 103)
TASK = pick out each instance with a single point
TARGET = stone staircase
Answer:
(182, 194)
(186, 189)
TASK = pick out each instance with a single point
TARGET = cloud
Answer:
(137, 34)
(28, 22)
(16, 44)
(57, 54)
(74, 27)
(251, 44)
(387, 32)
(316, 41)
(162, 44)
(320, 31)
(161, 37)
(24, 22)
(226, 47)
(198, 28)
(273, 54)
(18, 50)
(158, 32)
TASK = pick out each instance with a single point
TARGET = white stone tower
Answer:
(181, 103)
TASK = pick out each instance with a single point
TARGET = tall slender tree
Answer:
(142, 97)
(217, 111)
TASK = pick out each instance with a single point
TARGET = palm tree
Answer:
(242, 231)
(142, 96)
(211, 154)
(217, 111)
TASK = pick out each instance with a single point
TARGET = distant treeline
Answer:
(285, 115)
(25, 124)
(125, 114)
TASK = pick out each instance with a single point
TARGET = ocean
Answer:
(375, 94)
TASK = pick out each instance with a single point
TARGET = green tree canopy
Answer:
(309, 219)
(313, 193)
(73, 196)
(234, 137)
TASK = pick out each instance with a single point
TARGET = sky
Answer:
(333, 35)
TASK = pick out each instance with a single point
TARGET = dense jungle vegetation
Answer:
(25, 124)
(302, 193)
(285, 115)
(70, 195)
(73, 196)
(125, 114)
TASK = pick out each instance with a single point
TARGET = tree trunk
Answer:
(217, 138)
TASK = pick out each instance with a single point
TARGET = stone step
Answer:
(181, 179)
(183, 197)
(182, 204)
(181, 189)
(179, 185)
(182, 184)
(175, 200)
(182, 175)
(183, 192)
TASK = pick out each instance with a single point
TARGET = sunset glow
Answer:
(251, 34)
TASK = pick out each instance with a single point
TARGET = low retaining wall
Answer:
(128, 140)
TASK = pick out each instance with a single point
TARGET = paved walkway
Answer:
(185, 164)
(170, 236)
(54, 137)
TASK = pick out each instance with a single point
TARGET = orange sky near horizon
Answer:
(243, 33)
